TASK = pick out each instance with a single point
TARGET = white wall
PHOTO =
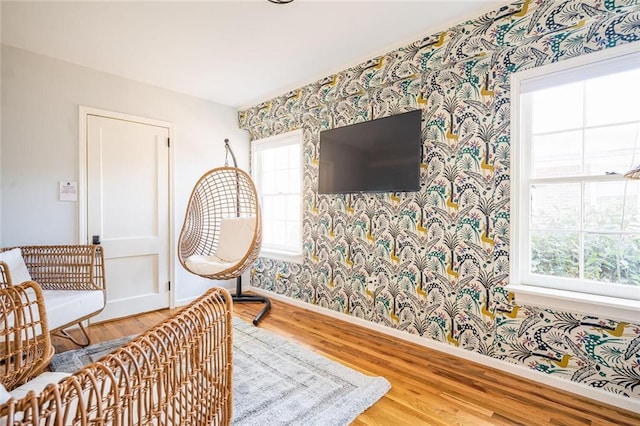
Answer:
(39, 145)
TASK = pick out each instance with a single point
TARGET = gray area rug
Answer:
(72, 361)
(275, 381)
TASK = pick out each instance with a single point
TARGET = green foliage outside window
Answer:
(608, 258)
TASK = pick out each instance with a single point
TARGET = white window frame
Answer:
(529, 291)
(289, 138)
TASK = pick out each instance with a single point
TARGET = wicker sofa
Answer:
(177, 373)
(71, 277)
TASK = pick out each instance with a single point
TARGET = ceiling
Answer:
(237, 53)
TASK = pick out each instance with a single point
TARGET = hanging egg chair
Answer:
(222, 231)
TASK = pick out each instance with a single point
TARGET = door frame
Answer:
(83, 237)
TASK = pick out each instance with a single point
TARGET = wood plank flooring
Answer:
(428, 387)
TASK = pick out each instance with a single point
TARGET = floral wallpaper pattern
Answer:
(435, 263)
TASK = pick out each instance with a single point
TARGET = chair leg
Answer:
(241, 298)
(66, 335)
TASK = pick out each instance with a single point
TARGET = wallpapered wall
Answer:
(442, 254)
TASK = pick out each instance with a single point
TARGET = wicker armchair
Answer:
(177, 373)
(25, 344)
(72, 280)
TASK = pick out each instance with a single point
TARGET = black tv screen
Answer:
(380, 155)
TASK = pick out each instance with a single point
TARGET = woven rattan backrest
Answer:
(25, 344)
(63, 267)
(224, 192)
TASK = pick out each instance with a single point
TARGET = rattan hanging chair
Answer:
(222, 231)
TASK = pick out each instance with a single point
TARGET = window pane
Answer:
(279, 231)
(293, 208)
(557, 154)
(282, 181)
(267, 208)
(268, 182)
(279, 209)
(268, 236)
(267, 158)
(294, 180)
(612, 206)
(281, 160)
(278, 179)
(613, 98)
(612, 258)
(612, 149)
(583, 223)
(555, 206)
(555, 253)
(557, 108)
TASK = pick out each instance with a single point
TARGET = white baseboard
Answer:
(186, 300)
(507, 367)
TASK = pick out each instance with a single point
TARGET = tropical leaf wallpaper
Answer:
(435, 263)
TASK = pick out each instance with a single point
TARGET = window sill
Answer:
(568, 301)
(282, 255)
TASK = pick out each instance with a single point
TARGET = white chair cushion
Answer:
(4, 395)
(64, 306)
(17, 267)
(38, 384)
(207, 265)
(236, 236)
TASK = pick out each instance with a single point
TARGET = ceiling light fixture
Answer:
(280, 1)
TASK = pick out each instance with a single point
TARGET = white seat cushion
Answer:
(236, 236)
(63, 306)
(38, 383)
(17, 267)
(207, 265)
(4, 395)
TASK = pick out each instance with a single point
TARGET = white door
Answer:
(128, 209)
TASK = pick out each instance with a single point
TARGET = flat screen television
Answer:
(381, 155)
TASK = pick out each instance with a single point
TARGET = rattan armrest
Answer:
(25, 343)
(5, 277)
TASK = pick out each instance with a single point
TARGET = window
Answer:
(277, 171)
(576, 224)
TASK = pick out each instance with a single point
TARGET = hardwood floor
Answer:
(428, 387)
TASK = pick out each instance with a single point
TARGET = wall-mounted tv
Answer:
(381, 155)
